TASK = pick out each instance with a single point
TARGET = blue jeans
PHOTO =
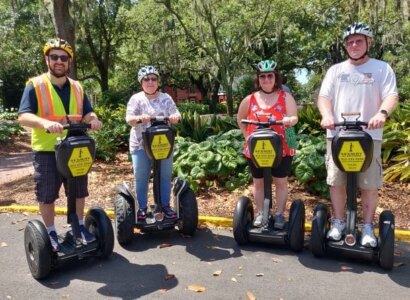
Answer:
(142, 171)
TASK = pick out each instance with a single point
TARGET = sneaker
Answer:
(279, 221)
(258, 220)
(368, 239)
(335, 232)
(169, 213)
(142, 214)
(55, 246)
(86, 236)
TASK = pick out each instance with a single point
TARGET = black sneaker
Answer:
(142, 214)
(169, 213)
(55, 246)
(86, 236)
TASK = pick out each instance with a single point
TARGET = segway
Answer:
(158, 143)
(352, 150)
(265, 147)
(75, 155)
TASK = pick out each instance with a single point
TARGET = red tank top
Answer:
(276, 112)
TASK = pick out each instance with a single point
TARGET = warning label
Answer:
(264, 153)
(352, 156)
(160, 146)
(80, 161)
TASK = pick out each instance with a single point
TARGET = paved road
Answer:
(140, 271)
(15, 166)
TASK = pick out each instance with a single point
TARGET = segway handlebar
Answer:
(262, 123)
(157, 118)
(75, 126)
(350, 123)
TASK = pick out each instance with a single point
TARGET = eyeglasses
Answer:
(269, 76)
(153, 79)
(55, 57)
(352, 42)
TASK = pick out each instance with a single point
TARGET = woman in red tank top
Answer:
(269, 101)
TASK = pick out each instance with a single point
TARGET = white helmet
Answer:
(357, 28)
(146, 70)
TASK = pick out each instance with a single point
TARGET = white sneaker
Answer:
(336, 230)
(258, 220)
(368, 239)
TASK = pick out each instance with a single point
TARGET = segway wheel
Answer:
(124, 219)
(242, 220)
(188, 212)
(98, 223)
(319, 229)
(296, 233)
(386, 240)
(38, 249)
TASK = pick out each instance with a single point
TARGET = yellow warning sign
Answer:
(80, 161)
(264, 153)
(160, 146)
(352, 156)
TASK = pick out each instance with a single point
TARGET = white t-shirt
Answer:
(361, 88)
(139, 104)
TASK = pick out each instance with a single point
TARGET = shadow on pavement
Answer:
(121, 277)
(400, 273)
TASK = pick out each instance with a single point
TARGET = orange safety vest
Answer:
(51, 107)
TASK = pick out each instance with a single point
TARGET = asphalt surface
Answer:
(211, 260)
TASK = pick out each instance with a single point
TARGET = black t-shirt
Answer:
(28, 103)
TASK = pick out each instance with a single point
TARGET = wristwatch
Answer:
(384, 112)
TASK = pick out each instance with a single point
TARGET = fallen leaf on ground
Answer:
(234, 279)
(250, 296)
(196, 288)
(217, 273)
(169, 276)
(259, 275)
(165, 245)
(3, 244)
(399, 264)
(345, 268)
(276, 260)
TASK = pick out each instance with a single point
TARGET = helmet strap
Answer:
(364, 54)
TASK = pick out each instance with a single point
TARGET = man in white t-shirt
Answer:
(368, 86)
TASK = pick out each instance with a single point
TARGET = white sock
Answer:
(81, 222)
(51, 228)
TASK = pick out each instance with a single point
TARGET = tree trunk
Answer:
(405, 8)
(64, 27)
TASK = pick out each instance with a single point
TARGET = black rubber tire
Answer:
(38, 249)
(242, 220)
(296, 233)
(98, 223)
(386, 240)
(188, 213)
(124, 219)
(320, 226)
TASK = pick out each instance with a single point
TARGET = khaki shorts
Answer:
(372, 178)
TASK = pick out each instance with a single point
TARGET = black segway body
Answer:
(352, 151)
(74, 155)
(265, 147)
(158, 142)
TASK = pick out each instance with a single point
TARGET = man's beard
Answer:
(58, 75)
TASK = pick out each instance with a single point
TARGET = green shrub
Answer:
(201, 109)
(114, 135)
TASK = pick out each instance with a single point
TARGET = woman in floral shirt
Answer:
(141, 108)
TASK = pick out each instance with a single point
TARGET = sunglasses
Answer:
(269, 76)
(153, 79)
(357, 42)
(55, 57)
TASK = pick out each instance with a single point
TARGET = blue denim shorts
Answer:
(48, 180)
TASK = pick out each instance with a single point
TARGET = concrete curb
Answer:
(400, 235)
